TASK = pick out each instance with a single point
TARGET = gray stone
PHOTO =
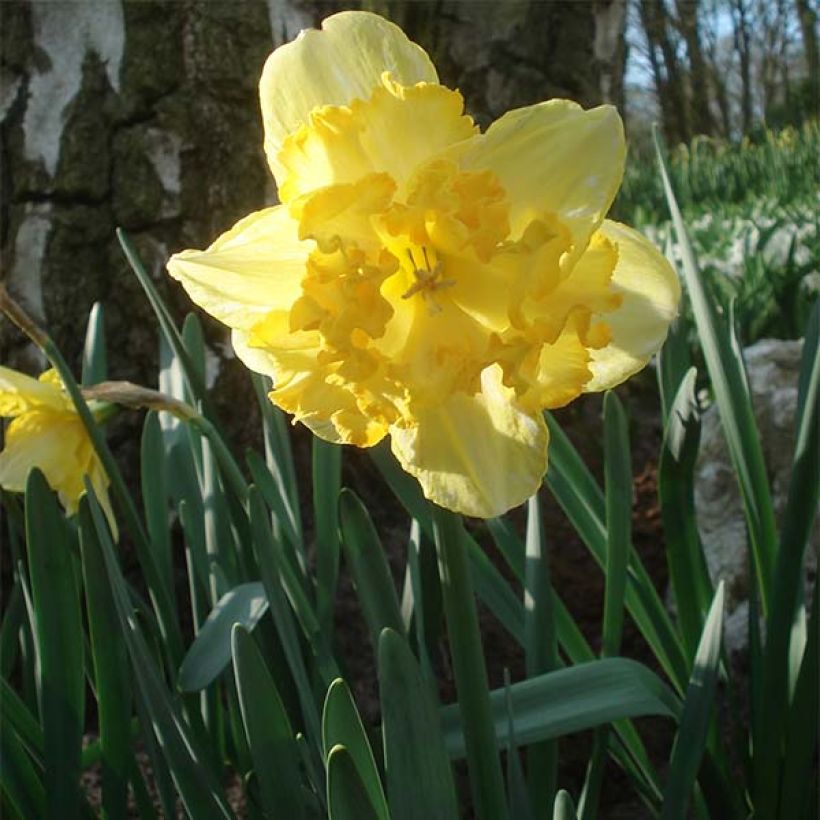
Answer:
(773, 368)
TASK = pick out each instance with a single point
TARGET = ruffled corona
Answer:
(428, 282)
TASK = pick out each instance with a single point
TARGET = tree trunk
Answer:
(611, 49)
(702, 122)
(666, 71)
(740, 22)
(808, 30)
(717, 69)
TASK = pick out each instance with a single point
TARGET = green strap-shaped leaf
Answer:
(271, 492)
(690, 742)
(674, 362)
(111, 674)
(154, 484)
(366, 560)
(197, 785)
(279, 454)
(726, 371)
(160, 593)
(684, 550)
(15, 714)
(540, 654)
(419, 779)
(799, 770)
(581, 498)
(19, 780)
(267, 728)
(782, 654)
(342, 726)
(497, 594)
(347, 797)
(520, 804)
(95, 358)
(564, 808)
(194, 380)
(425, 597)
(570, 700)
(59, 634)
(210, 652)
(268, 559)
(327, 482)
(618, 505)
(469, 671)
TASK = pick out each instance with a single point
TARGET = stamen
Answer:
(427, 281)
(426, 258)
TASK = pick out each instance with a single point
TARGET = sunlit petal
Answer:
(341, 62)
(393, 131)
(20, 393)
(253, 268)
(650, 293)
(479, 455)
(555, 157)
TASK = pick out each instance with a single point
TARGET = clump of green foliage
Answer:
(752, 218)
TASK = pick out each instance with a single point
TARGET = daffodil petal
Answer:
(478, 455)
(555, 157)
(650, 293)
(54, 442)
(253, 268)
(341, 62)
(253, 358)
(393, 131)
(328, 410)
(20, 393)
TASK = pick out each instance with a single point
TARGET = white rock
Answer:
(773, 368)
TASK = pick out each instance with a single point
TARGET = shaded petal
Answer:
(339, 215)
(342, 62)
(253, 268)
(254, 358)
(650, 291)
(562, 368)
(301, 388)
(555, 157)
(20, 393)
(478, 455)
(55, 443)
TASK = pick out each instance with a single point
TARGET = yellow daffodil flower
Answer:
(426, 281)
(47, 433)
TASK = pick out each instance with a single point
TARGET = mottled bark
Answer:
(142, 115)
(504, 55)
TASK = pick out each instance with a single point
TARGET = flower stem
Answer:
(486, 779)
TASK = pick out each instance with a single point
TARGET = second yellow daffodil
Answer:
(47, 433)
(426, 281)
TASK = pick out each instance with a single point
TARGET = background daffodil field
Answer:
(440, 443)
